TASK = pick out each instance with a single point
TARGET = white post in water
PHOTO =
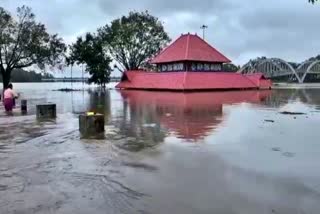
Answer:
(71, 77)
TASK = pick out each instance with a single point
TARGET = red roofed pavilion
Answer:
(190, 52)
(190, 48)
(190, 63)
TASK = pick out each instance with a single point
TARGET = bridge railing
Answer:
(275, 67)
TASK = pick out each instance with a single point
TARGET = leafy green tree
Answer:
(25, 42)
(89, 51)
(230, 67)
(132, 40)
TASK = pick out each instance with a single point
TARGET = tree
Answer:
(25, 42)
(230, 67)
(20, 75)
(312, 1)
(90, 51)
(132, 40)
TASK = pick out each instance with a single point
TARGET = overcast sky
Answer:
(241, 29)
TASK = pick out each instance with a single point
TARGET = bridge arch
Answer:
(280, 65)
(312, 65)
(247, 68)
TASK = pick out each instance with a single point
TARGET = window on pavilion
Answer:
(172, 67)
(205, 67)
(191, 67)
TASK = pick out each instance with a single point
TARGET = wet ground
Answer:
(217, 152)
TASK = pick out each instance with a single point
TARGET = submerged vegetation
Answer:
(130, 41)
(133, 39)
(89, 51)
(24, 42)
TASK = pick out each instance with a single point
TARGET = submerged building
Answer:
(191, 64)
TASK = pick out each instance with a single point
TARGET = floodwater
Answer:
(211, 152)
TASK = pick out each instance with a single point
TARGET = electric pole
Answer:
(71, 77)
(82, 76)
(203, 27)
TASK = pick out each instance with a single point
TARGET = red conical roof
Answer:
(190, 47)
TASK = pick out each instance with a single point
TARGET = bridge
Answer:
(279, 69)
(76, 79)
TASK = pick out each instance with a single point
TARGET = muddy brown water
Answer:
(211, 152)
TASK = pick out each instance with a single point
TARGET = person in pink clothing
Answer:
(9, 97)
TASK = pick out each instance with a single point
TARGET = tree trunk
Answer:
(6, 77)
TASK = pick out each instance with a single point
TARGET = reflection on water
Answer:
(100, 102)
(281, 97)
(238, 161)
(189, 116)
(149, 117)
(140, 125)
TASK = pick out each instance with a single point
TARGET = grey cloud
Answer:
(165, 7)
(240, 29)
(290, 33)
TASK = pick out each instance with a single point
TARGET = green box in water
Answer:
(46, 111)
(91, 126)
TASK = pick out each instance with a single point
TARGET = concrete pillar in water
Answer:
(91, 126)
(46, 111)
(24, 107)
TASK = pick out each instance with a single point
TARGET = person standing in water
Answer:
(9, 97)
